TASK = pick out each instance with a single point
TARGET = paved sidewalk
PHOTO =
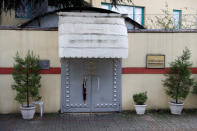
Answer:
(126, 121)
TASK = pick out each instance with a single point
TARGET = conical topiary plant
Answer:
(178, 81)
(26, 75)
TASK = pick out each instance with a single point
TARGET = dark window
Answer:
(29, 9)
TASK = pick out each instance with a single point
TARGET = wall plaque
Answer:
(44, 64)
(155, 61)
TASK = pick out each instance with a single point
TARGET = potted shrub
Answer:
(178, 81)
(26, 75)
(140, 99)
(195, 89)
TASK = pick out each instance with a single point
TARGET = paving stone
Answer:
(101, 122)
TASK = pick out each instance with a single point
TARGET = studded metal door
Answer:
(91, 85)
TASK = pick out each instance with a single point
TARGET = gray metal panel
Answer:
(130, 26)
(119, 81)
(76, 81)
(103, 85)
(47, 21)
(105, 96)
(63, 84)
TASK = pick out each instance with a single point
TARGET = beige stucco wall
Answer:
(45, 43)
(152, 83)
(141, 44)
(170, 44)
(50, 92)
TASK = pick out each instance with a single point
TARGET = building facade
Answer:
(151, 14)
(182, 14)
(98, 60)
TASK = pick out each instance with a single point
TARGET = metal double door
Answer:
(91, 85)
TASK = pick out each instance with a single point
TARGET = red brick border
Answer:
(142, 70)
(54, 70)
(125, 70)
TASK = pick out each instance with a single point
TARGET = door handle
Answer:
(98, 83)
(84, 89)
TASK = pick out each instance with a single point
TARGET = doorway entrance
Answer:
(90, 85)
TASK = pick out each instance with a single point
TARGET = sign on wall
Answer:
(44, 64)
(155, 61)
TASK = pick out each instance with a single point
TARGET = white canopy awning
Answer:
(92, 35)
